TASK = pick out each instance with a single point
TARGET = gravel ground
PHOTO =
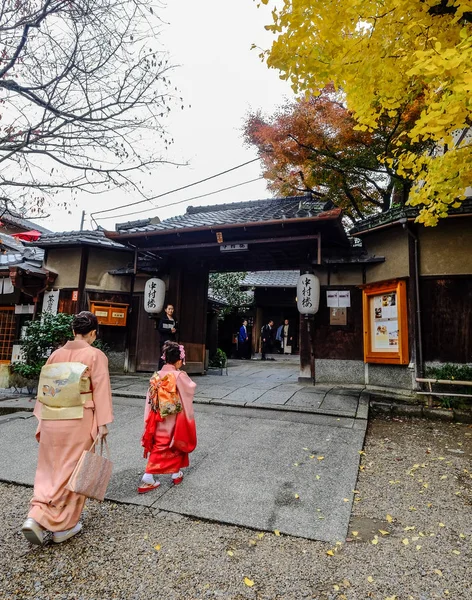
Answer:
(410, 538)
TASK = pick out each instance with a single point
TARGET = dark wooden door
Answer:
(147, 340)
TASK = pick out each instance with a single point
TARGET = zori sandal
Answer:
(148, 487)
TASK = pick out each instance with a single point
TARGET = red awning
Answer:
(27, 236)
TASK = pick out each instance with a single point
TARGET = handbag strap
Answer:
(103, 442)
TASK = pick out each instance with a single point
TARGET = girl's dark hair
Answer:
(171, 352)
(84, 322)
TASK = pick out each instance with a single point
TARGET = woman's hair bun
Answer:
(84, 322)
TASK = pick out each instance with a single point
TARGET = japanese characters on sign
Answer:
(234, 247)
(154, 294)
(51, 302)
(308, 294)
(338, 298)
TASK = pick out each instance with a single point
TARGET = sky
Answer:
(221, 79)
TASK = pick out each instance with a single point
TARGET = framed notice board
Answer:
(385, 323)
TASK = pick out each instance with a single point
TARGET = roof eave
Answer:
(329, 215)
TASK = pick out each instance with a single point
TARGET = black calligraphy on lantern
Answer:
(151, 299)
(306, 293)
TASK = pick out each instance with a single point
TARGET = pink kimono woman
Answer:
(61, 443)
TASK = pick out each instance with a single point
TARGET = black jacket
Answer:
(165, 330)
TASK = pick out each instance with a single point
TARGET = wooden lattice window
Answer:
(7, 332)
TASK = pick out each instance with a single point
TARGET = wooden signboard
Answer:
(385, 323)
(110, 314)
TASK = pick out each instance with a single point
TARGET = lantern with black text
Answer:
(308, 294)
(154, 294)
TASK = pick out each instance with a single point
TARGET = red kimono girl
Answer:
(169, 431)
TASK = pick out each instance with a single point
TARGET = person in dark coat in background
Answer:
(167, 328)
(266, 337)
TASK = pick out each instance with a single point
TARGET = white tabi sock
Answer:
(148, 478)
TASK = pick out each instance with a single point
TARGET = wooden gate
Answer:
(147, 338)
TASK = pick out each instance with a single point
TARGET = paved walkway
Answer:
(270, 384)
(272, 454)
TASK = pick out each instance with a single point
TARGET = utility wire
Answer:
(138, 212)
(184, 187)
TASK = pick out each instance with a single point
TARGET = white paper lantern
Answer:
(154, 294)
(308, 294)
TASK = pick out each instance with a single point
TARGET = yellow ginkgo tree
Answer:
(386, 55)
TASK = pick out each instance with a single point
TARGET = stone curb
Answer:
(398, 409)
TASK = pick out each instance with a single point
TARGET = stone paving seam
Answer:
(324, 397)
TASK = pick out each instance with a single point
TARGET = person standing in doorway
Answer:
(266, 337)
(243, 341)
(279, 341)
(167, 328)
(287, 335)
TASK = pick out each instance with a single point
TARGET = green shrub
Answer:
(454, 373)
(218, 360)
(41, 337)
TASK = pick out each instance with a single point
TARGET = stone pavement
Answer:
(270, 384)
(272, 454)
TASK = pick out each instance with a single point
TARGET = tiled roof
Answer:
(276, 279)
(404, 212)
(16, 219)
(77, 238)
(234, 213)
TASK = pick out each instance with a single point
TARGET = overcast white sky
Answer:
(221, 78)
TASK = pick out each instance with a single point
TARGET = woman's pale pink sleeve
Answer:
(101, 388)
(186, 389)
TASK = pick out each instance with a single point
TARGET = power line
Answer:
(184, 187)
(182, 201)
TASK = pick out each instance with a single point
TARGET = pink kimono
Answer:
(166, 454)
(62, 442)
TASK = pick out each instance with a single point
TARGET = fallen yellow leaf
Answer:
(370, 579)
(230, 553)
(317, 477)
(346, 499)
(455, 552)
(375, 541)
(441, 525)
(336, 588)
(405, 541)
(277, 532)
(355, 533)
(305, 448)
(330, 553)
(252, 542)
(438, 572)
(418, 547)
(260, 535)
(320, 457)
(312, 456)
(390, 598)
(409, 528)
(461, 535)
(157, 547)
(361, 452)
(389, 518)
(383, 532)
(248, 582)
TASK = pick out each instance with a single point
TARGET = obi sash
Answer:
(64, 390)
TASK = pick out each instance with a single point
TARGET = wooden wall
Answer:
(446, 305)
(335, 341)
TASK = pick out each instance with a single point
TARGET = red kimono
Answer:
(169, 441)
